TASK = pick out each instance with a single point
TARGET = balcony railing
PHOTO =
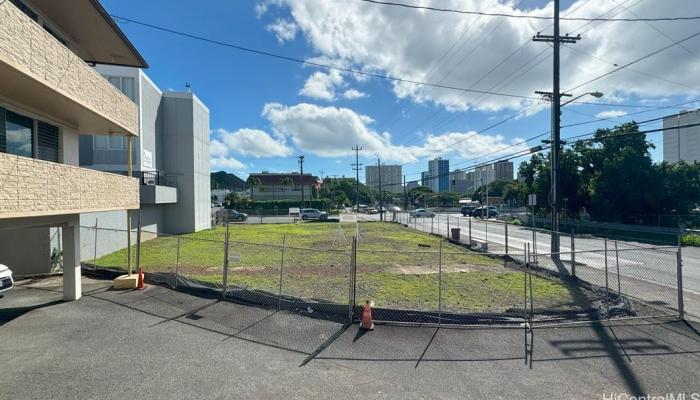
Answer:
(31, 187)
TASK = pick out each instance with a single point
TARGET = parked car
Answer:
(362, 208)
(6, 282)
(483, 213)
(234, 215)
(422, 213)
(372, 210)
(312, 213)
(395, 209)
(467, 210)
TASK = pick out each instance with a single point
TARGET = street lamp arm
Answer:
(597, 95)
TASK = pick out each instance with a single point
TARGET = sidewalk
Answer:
(172, 345)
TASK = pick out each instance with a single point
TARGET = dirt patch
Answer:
(433, 269)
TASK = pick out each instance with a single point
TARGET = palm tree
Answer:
(286, 181)
(253, 181)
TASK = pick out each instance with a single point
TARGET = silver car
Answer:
(422, 213)
(312, 213)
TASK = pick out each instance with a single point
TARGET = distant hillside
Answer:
(224, 180)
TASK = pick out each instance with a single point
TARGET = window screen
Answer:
(47, 142)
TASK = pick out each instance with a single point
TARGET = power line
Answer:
(525, 16)
(644, 57)
(313, 63)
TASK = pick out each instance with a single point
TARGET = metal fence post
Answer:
(607, 287)
(679, 277)
(534, 241)
(351, 280)
(226, 261)
(617, 267)
(432, 220)
(447, 233)
(573, 254)
(486, 231)
(177, 261)
(138, 243)
(94, 260)
(506, 227)
(279, 298)
(470, 231)
(440, 283)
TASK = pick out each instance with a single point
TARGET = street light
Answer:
(597, 95)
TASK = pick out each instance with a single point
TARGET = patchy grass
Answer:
(691, 239)
(397, 267)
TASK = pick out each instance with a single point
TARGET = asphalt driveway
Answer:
(159, 343)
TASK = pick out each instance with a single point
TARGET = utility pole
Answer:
(379, 172)
(556, 41)
(301, 179)
(356, 167)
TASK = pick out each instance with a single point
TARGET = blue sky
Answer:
(265, 111)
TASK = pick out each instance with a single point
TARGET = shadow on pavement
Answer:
(11, 313)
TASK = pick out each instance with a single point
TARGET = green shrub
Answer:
(691, 239)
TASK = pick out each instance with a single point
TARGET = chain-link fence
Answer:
(611, 278)
(478, 276)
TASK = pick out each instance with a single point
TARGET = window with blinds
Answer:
(47, 142)
(3, 141)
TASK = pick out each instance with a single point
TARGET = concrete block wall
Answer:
(27, 47)
(32, 187)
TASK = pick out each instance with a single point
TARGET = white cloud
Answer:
(611, 114)
(283, 29)
(229, 163)
(321, 85)
(460, 50)
(260, 9)
(253, 142)
(333, 131)
(217, 148)
(352, 94)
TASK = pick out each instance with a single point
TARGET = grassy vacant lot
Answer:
(397, 267)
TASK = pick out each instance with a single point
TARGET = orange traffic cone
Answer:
(140, 281)
(367, 318)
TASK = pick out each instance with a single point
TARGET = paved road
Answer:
(646, 274)
(161, 344)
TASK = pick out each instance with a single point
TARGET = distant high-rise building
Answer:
(503, 170)
(411, 185)
(439, 170)
(462, 182)
(391, 178)
(682, 143)
(425, 179)
(486, 174)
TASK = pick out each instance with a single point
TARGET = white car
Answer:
(422, 213)
(6, 282)
(312, 213)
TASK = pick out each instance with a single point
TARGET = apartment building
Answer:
(487, 174)
(438, 170)
(170, 158)
(50, 95)
(682, 143)
(391, 178)
(281, 186)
